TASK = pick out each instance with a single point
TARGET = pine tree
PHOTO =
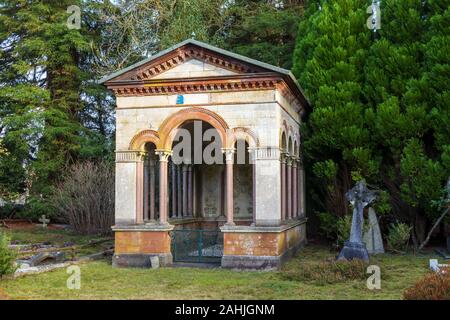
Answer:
(395, 108)
(329, 61)
(42, 82)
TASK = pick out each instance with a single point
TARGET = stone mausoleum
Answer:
(247, 214)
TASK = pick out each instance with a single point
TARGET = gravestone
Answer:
(372, 237)
(354, 248)
(44, 221)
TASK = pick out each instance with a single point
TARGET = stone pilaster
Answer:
(229, 160)
(163, 194)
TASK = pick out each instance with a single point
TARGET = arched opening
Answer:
(151, 183)
(196, 183)
(283, 150)
(243, 182)
(197, 205)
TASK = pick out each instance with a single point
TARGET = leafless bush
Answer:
(85, 197)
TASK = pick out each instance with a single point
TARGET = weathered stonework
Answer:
(262, 247)
(258, 103)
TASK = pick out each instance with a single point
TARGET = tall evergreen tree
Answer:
(329, 61)
(264, 30)
(400, 135)
(41, 85)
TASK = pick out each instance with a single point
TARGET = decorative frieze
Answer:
(266, 153)
(129, 156)
(182, 87)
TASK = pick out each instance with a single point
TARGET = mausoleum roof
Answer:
(145, 70)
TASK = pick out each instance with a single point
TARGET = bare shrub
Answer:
(85, 197)
(433, 286)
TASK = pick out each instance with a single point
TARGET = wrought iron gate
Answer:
(190, 245)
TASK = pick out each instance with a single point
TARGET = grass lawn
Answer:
(39, 235)
(56, 237)
(100, 281)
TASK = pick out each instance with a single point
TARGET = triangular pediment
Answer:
(190, 61)
(194, 68)
(187, 66)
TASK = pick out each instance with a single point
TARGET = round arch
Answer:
(290, 146)
(167, 129)
(141, 138)
(283, 140)
(245, 134)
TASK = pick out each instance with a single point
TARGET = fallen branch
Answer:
(432, 229)
(3, 224)
(71, 248)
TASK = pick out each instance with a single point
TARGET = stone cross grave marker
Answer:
(354, 248)
(44, 221)
(372, 237)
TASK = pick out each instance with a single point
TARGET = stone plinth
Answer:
(261, 247)
(135, 245)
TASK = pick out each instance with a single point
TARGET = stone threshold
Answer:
(144, 227)
(260, 229)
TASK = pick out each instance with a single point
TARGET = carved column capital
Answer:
(289, 160)
(229, 154)
(163, 155)
(294, 162)
(283, 157)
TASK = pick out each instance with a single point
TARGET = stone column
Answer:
(299, 190)
(283, 185)
(140, 189)
(173, 179)
(252, 157)
(302, 192)
(289, 187)
(190, 190)
(152, 164)
(163, 198)
(179, 191)
(229, 159)
(185, 194)
(294, 189)
(146, 189)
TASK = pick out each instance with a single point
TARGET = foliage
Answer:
(53, 113)
(398, 236)
(434, 286)
(380, 102)
(10, 210)
(264, 31)
(328, 223)
(343, 227)
(337, 228)
(329, 272)
(7, 256)
(85, 197)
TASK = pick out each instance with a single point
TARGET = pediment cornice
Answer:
(182, 55)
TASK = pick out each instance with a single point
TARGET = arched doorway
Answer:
(196, 192)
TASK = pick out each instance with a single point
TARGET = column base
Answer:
(261, 248)
(259, 262)
(136, 244)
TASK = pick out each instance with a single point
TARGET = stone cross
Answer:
(359, 196)
(372, 237)
(44, 221)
